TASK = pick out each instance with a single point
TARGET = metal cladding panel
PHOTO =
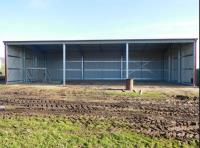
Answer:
(102, 64)
(34, 59)
(135, 74)
(146, 65)
(165, 66)
(73, 54)
(14, 51)
(187, 63)
(54, 63)
(101, 75)
(55, 74)
(73, 75)
(134, 65)
(14, 76)
(174, 65)
(73, 64)
(113, 55)
(156, 75)
(14, 64)
(115, 65)
(147, 62)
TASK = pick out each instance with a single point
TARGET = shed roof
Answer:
(103, 41)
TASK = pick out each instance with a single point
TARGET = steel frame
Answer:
(64, 61)
(127, 60)
(126, 42)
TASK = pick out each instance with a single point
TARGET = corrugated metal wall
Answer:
(106, 62)
(14, 64)
(35, 59)
(54, 64)
(73, 64)
(110, 64)
(20, 59)
(146, 65)
(93, 64)
(165, 65)
(187, 63)
(172, 63)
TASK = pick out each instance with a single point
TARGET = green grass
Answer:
(75, 132)
(154, 95)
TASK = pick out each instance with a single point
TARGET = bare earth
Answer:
(175, 114)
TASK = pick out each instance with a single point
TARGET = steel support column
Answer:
(6, 63)
(64, 60)
(121, 68)
(169, 65)
(194, 69)
(127, 61)
(24, 65)
(179, 65)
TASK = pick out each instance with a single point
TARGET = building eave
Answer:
(103, 41)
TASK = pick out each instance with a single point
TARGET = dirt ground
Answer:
(172, 114)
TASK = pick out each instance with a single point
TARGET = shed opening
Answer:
(44, 63)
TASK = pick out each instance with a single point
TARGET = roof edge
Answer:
(101, 40)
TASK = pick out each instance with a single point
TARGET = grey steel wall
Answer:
(146, 65)
(19, 60)
(102, 64)
(174, 64)
(166, 65)
(179, 63)
(34, 64)
(54, 64)
(73, 64)
(110, 64)
(187, 63)
(93, 64)
(14, 64)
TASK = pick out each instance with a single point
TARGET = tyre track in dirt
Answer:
(178, 119)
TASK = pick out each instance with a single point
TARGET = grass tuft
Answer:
(79, 132)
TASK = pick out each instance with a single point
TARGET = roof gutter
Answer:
(109, 41)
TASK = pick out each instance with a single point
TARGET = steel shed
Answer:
(170, 60)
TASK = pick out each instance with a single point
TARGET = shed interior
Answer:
(172, 62)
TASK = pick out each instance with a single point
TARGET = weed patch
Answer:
(82, 132)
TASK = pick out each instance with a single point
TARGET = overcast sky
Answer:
(97, 19)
